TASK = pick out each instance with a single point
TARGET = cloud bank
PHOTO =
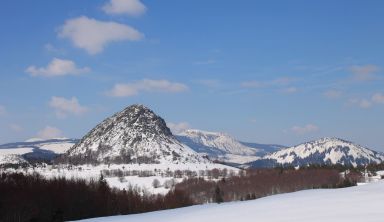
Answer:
(93, 35)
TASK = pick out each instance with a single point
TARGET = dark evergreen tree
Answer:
(218, 195)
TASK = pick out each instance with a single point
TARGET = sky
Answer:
(281, 72)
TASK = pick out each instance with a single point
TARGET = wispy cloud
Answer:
(128, 7)
(57, 67)
(365, 103)
(146, 85)
(309, 128)
(177, 128)
(364, 73)
(93, 35)
(50, 132)
(64, 107)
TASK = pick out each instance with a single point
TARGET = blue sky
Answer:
(264, 71)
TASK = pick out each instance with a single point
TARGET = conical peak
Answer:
(141, 117)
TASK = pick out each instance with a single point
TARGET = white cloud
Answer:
(146, 85)
(332, 94)
(49, 132)
(309, 128)
(364, 73)
(177, 128)
(378, 98)
(16, 128)
(57, 67)
(93, 35)
(130, 7)
(64, 107)
(3, 111)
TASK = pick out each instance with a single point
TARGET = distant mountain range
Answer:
(324, 151)
(138, 135)
(223, 147)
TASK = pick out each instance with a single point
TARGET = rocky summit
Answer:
(134, 135)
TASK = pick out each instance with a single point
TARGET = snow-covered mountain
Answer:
(328, 151)
(34, 149)
(221, 146)
(134, 135)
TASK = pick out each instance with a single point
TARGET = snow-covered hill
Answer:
(219, 146)
(34, 149)
(323, 151)
(354, 204)
(223, 147)
(134, 135)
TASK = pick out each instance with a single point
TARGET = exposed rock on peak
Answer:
(134, 135)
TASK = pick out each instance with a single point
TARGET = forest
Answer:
(31, 197)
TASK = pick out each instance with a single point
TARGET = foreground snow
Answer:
(355, 204)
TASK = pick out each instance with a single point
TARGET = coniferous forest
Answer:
(34, 198)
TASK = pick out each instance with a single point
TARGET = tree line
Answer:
(34, 198)
(256, 183)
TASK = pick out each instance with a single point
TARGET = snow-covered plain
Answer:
(354, 204)
(144, 183)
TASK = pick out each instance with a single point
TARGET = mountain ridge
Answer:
(323, 151)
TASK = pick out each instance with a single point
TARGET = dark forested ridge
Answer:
(33, 198)
(256, 183)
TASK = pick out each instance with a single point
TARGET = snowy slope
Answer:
(354, 204)
(11, 159)
(219, 146)
(136, 135)
(322, 151)
(58, 146)
(220, 141)
(35, 149)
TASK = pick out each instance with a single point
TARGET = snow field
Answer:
(354, 204)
